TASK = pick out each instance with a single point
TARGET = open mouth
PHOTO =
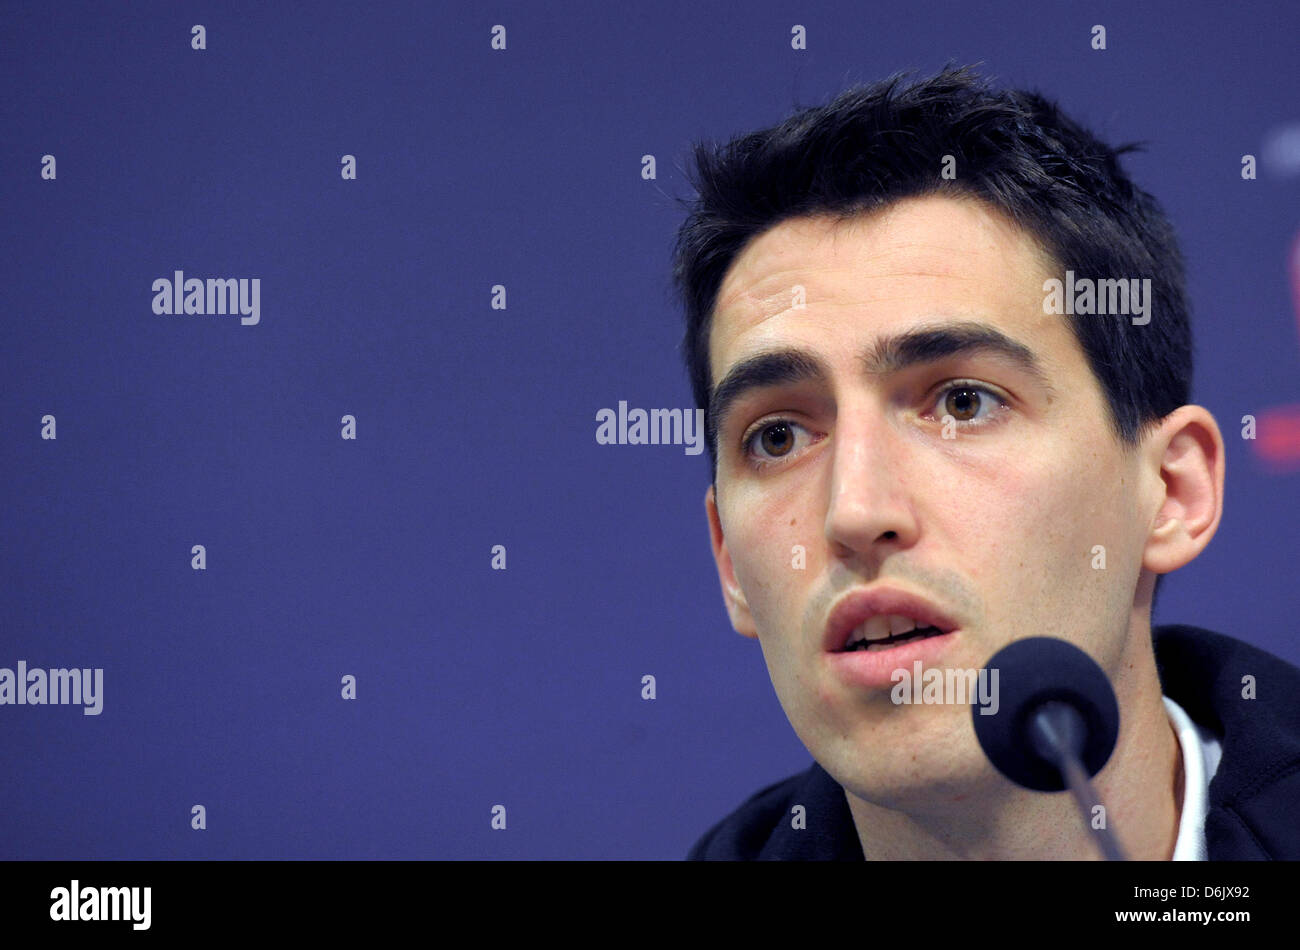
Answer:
(859, 641)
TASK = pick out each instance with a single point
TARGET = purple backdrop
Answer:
(328, 557)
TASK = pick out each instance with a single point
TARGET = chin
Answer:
(911, 775)
(917, 791)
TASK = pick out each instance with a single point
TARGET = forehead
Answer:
(919, 259)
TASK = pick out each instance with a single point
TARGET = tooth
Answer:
(899, 624)
(876, 628)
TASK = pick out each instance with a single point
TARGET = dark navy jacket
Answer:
(1253, 810)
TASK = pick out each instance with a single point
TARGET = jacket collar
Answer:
(1249, 698)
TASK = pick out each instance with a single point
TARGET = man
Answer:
(907, 430)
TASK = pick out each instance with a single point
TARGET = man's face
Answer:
(997, 526)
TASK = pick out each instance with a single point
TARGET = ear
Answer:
(1186, 451)
(737, 607)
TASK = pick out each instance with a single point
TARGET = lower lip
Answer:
(874, 669)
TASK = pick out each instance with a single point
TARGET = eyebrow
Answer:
(891, 354)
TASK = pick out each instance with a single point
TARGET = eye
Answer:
(968, 403)
(771, 440)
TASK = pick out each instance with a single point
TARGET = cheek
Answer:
(763, 538)
(1012, 524)
(1090, 519)
(1051, 535)
(999, 517)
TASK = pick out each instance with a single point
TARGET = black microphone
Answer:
(1055, 724)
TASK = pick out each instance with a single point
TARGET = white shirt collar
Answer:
(1201, 752)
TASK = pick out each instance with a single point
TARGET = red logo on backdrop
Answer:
(1277, 430)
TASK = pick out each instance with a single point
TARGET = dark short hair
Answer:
(1015, 150)
(875, 144)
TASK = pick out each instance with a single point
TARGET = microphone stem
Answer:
(1086, 798)
(1057, 732)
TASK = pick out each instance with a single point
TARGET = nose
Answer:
(870, 511)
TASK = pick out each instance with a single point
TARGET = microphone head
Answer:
(1034, 671)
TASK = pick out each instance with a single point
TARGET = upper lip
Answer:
(851, 610)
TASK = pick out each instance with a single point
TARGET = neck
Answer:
(1141, 787)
